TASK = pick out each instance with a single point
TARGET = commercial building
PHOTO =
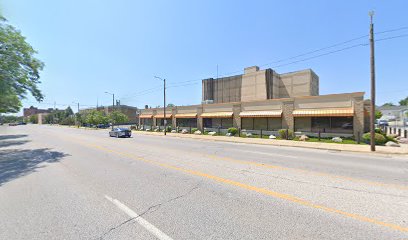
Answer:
(27, 112)
(268, 101)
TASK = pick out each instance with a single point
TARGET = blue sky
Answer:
(93, 46)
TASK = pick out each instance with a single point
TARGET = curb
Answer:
(278, 144)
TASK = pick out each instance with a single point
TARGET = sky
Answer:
(90, 47)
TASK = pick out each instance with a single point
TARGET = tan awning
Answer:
(217, 115)
(186, 115)
(254, 114)
(145, 116)
(168, 115)
(328, 112)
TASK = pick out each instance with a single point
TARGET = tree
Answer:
(404, 102)
(19, 69)
(33, 119)
(378, 114)
(388, 104)
(171, 105)
(117, 117)
(68, 112)
(96, 117)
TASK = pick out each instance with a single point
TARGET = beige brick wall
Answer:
(358, 119)
(287, 115)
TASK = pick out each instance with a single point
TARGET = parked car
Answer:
(13, 124)
(120, 132)
(347, 126)
(102, 125)
(382, 123)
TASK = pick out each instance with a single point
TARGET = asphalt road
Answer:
(66, 183)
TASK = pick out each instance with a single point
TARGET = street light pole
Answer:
(164, 104)
(372, 67)
(113, 103)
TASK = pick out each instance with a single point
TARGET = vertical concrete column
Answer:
(199, 119)
(173, 118)
(154, 119)
(358, 119)
(236, 119)
(287, 115)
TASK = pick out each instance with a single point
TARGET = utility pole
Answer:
(164, 99)
(164, 102)
(372, 67)
(113, 103)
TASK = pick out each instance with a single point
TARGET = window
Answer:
(332, 124)
(186, 122)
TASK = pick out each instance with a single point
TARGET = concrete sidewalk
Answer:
(288, 143)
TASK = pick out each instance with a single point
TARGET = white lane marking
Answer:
(269, 154)
(148, 226)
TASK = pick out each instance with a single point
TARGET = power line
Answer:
(195, 81)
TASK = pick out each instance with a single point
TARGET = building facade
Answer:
(264, 100)
(257, 84)
(27, 112)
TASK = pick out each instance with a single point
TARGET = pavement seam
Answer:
(148, 210)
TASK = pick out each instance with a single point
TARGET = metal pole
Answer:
(164, 106)
(113, 107)
(78, 115)
(372, 67)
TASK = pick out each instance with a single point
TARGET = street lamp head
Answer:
(158, 78)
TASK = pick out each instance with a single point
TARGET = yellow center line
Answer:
(336, 177)
(264, 191)
(303, 171)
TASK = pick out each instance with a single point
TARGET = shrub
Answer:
(233, 131)
(379, 138)
(168, 129)
(282, 134)
(133, 127)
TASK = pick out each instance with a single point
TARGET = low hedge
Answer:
(233, 131)
(379, 138)
(282, 134)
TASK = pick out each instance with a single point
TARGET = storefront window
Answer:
(261, 123)
(160, 121)
(146, 121)
(186, 122)
(332, 124)
(217, 122)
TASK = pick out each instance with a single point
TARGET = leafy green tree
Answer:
(96, 117)
(19, 69)
(404, 102)
(171, 105)
(117, 117)
(378, 114)
(388, 104)
(33, 119)
(68, 112)
(11, 119)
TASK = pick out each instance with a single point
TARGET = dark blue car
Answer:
(120, 132)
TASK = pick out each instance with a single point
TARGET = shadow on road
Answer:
(15, 163)
(15, 136)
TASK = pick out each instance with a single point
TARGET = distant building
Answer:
(27, 112)
(257, 85)
(392, 112)
(265, 100)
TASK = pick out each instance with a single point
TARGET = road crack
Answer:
(148, 210)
